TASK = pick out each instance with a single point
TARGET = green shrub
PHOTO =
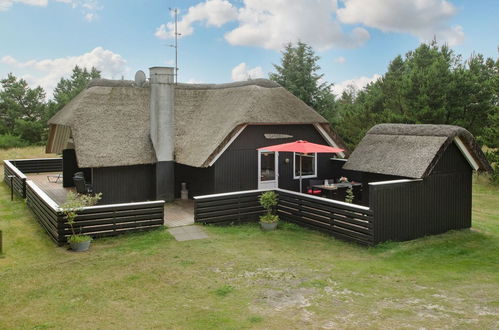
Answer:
(11, 141)
(493, 158)
(269, 218)
(349, 196)
(29, 131)
(268, 200)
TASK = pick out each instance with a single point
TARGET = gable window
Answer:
(308, 165)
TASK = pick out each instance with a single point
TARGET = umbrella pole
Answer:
(300, 174)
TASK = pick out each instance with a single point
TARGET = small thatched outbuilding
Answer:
(417, 178)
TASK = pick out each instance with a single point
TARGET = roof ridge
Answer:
(260, 82)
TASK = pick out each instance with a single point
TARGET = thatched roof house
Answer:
(109, 120)
(412, 151)
(139, 140)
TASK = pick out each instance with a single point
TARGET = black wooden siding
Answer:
(237, 167)
(124, 184)
(199, 180)
(434, 205)
(70, 167)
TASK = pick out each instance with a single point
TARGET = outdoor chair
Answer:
(314, 191)
(54, 178)
(81, 186)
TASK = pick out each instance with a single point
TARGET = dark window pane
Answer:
(267, 166)
(308, 164)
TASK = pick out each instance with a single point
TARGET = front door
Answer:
(268, 175)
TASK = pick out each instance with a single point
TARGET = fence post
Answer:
(11, 177)
(1, 244)
(24, 187)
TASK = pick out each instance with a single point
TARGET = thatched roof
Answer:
(411, 150)
(109, 120)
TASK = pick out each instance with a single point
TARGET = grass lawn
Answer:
(241, 277)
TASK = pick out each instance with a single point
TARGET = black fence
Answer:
(112, 220)
(14, 171)
(38, 165)
(408, 209)
(228, 208)
(343, 220)
(96, 221)
(46, 212)
(14, 178)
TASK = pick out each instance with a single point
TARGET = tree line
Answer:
(24, 111)
(429, 85)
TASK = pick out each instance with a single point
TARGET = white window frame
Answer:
(269, 184)
(304, 176)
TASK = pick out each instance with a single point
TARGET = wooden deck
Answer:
(54, 190)
(178, 213)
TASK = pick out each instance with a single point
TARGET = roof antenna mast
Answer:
(175, 12)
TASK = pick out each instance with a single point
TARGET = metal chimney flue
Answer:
(162, 129)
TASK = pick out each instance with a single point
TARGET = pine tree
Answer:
(298, 73)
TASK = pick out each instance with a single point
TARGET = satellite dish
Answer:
(140, 78)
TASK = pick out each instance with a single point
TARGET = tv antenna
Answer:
(175, 12)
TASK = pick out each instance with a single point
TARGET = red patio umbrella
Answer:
(303, 147)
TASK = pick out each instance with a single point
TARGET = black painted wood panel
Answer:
(40, 165)
(70, 167)
(15, 180)
(199, 180)
(237, 168)
(235, 208)
(124, 184)
(439, 203)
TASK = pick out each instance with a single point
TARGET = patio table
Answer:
(333, 188)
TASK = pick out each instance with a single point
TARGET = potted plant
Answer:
(73, 204)
(268, 200)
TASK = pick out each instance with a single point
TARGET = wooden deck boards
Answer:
(54, 190)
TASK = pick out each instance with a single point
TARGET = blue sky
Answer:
(222, 40)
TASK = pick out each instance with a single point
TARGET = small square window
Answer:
(308, 165)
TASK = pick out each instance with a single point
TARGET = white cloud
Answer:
(356, 83)
(6, 4)
(212, 13)
(50, 71)
(242, 72)
(340, 60)
(89, 17)
(89, 7)
(271, 24)
(423, 18)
